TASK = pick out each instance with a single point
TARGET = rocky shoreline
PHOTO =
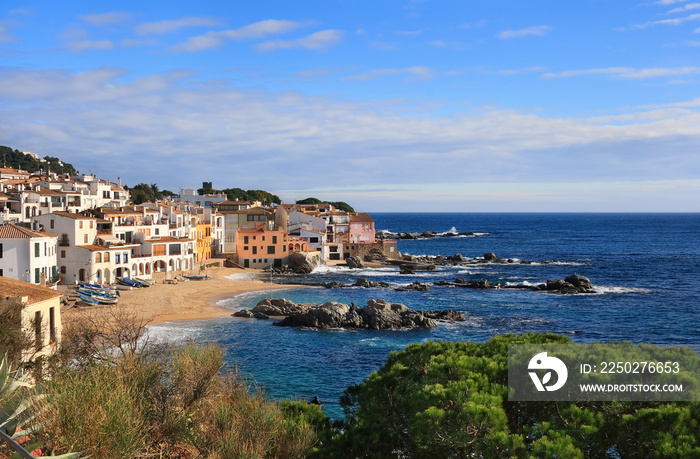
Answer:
(571, 285)
(377, 315)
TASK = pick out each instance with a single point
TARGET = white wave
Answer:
(244, 276)
(528, 283)
(602, 289)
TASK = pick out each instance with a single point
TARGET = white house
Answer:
(41, 314)
(27, 255)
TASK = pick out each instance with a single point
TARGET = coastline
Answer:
(190, 300)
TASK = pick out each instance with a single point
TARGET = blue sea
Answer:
(645, 268)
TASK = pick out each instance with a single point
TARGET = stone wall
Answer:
(386, 247)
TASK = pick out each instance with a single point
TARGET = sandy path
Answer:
(185, 300)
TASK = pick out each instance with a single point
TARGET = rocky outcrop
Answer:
(424, 235)
(362, 282)
(417, 286)
(573, 284)
(278, 307)
(354, 263)
(377, 315)
(304, 262)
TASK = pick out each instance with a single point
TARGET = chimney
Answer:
(119, 181)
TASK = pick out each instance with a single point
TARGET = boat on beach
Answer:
(130, 282)
(197, 278)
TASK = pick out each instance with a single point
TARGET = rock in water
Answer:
(278, 307)
(354, 263)
(580, 282)
(305, 262)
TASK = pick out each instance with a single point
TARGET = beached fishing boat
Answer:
(87, 300)
(130, 282)
(145, 282)
(197, 278)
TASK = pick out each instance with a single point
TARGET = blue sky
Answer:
(413, 105)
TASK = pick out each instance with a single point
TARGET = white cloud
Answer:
(86, 45)
(114, 17)
(682, 9)
(257, 30)
(669, 2)
(422, 73)
(626, 72)
(319, 40)
(146, 130)
(536, 31)
(173, 25)
(533, 69)
(3, 33)
(671, 22)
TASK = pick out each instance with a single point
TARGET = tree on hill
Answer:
(17, 160)
(450, 399)
(340, 205)
(144, 192)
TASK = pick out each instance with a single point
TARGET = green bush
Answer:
(449, 399)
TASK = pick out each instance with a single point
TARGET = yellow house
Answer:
(203, 238)
(41, 315)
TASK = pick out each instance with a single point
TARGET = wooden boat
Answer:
(89, 301)
(146, 282)
(130, 282)
(197, 278)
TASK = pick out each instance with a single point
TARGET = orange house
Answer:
(261, 248)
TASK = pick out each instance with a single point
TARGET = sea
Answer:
(645, 269)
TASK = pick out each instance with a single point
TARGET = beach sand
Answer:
(187, 300)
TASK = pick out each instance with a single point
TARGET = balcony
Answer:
(63, 242)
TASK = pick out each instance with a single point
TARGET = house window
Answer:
(117, 258)
(38, 339)
(270, 249)
(63, 254)
(80, 224)
(52, 325)
(126, 257)
(63, 269)
(274, 239)
(106, 258)
(255, 250)
(46, 249)
(91, 222)
(0, 250)
(84, 238)
(157, 231)
(37, 275)
(245, 239)
(37, 249)
(52, 223)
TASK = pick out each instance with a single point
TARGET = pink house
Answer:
(361, 229)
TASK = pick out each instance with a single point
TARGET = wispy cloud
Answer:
(410, 33)
(173, 25)
(626, 72)
(114, 17)
(535, 31)
(533, 69)
(669, 2)
(422, 73)
(3, 33)
(154, 123)
(215, 39)
(86, 45)
(312, 73)
(670, 22)
(683, 9)
(317, 41)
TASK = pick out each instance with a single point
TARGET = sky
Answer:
(392, 105)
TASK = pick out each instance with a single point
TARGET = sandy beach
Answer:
(187, 300)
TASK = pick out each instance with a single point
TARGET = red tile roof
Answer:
(11, 231)
(10, 287)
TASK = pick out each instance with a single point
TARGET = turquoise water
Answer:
(644, 267)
